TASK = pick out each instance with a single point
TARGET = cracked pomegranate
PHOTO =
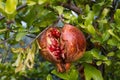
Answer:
(62, 45)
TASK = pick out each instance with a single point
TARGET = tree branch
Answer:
(71, 6)
(18, 8)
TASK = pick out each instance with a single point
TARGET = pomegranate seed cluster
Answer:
(54, 46)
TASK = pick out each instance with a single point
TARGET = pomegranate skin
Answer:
(62, 46)
(74, 42)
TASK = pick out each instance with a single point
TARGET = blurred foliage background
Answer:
(22, 20)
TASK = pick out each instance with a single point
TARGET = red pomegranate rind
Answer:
(74, 42)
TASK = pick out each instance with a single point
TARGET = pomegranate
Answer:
(62, 45)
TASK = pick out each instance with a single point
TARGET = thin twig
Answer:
(37, 36)
(71, 6)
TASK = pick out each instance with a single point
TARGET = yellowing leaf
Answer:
(18, 61)
(21, 67)
(29, 61)
(3, 30)
(10, 7)
(17, 50)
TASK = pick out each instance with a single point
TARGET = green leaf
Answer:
(92, 73)
(99, 63)
(96, 54)
(1, 7)
(42, 1)
(113, 42)
(10, 7)
(47, 19)
(110, 54)
(87, 8)
(104, 13)
(89, 18)
(61, 75)
(108, 62)
(49, 77)
(87, 57)
(105, 36)
(73, 74)
(59, 9)
(20, 35)
(91, 29)
(34, 29)
(118, 54)
(117, 16)
(114, 35)
(31, 2)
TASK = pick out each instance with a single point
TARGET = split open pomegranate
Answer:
(62, 46)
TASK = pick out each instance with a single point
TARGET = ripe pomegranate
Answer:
(62, 45)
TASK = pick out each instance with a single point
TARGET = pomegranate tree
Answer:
(62, 46)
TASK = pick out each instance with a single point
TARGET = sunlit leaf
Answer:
(31, 2)
(11, 5)
(41, 1)
(113, 34)
(108, 62)
(89, 18)
(104, 13)
(110, 54)
(91, 29)
(99, 63)
(49, 77)
(73, 74)
(59, 9)
(117, 16)
(92, 73)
